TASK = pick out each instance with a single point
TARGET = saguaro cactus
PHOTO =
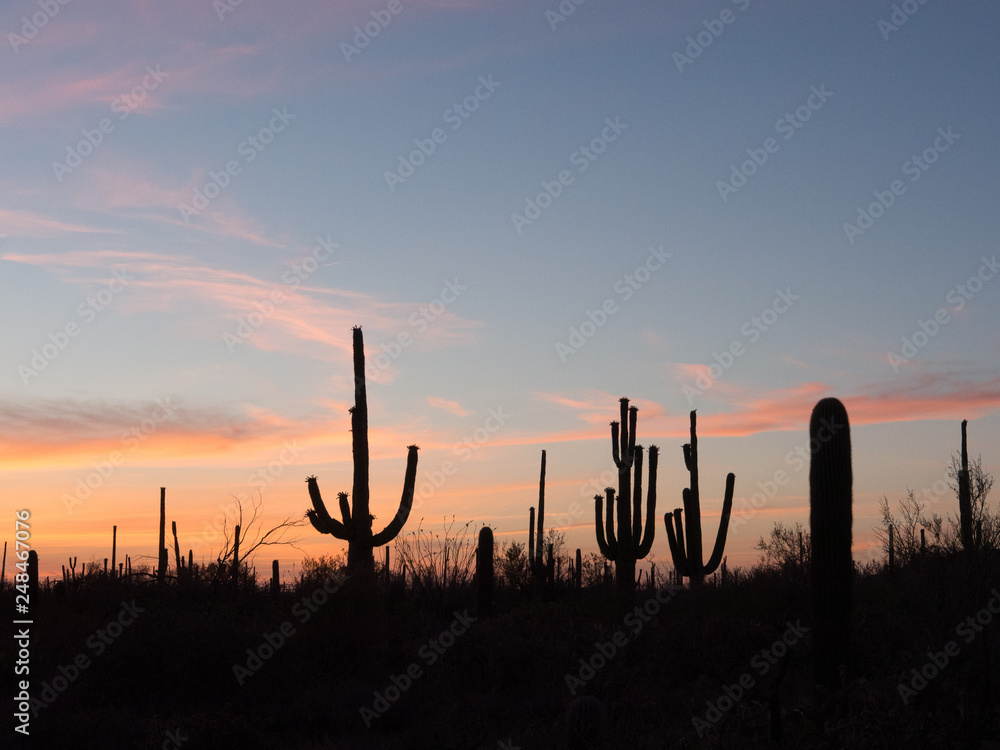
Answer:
(356, 526)
(625, 547)
(32, 578)
(161, 570)
(484, 572)
(965, 494)
(830, 522)
(688, 562)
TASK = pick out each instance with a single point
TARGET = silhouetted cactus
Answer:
(356, 524)
(624, 548)
(275, 578)
(114, 550)
(688, 562)
(484, 572)
(236, 558)
(830, 522)
(161, 571)
(965, 494)
(578, 570)
(32, 578)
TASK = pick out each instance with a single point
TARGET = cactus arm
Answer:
(676, 540)
(633, 415)
(647, 540)
(319, 517)
(602, 541)
(610, 520)
(615, 453)
(605, 529)
(637, 498)
(531, 537)
(345, 508)
(720, 540)
(406, 502)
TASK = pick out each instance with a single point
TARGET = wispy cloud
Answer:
(452, 407)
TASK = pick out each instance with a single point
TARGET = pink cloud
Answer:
(452, 407)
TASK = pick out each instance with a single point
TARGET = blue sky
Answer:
(640, 253)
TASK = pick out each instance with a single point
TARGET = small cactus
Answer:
(484, 572)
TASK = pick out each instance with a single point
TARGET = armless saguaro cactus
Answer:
(965, 494)
(830, 522)
(484, 572)
(356, 526)
(688, 562)
(625, 547)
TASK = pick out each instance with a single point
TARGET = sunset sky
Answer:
(532, 209)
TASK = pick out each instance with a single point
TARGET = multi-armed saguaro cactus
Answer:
(356, 526)
(625, 547)
(688, 562)
(830, 521)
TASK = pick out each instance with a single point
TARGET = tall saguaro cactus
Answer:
(688, 562)
(356, 525)
(625, 547)
(965, 493)
(830, 522)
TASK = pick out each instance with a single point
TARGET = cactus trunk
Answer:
(484, 572)
(830, 522)
(688, 561)
(356, 524)
(965, 494)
